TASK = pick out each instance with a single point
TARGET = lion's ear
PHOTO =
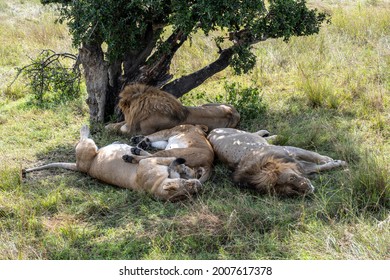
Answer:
(203, 127)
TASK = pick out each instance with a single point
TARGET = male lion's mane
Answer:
(262, 172)
(138, 102)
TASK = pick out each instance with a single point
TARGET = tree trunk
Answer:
(115, 87)
(105, 80)
(97, 80)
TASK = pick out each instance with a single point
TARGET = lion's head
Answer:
(275, 176)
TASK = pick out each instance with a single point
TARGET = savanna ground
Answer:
(328, 93)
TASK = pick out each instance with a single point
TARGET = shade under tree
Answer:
(122, 41)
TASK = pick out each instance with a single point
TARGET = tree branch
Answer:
(133, 61)
(156, 70)
(182, 85)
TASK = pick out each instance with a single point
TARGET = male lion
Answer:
(162, 177)
(268, 168)
(184, 141)
(147, 109)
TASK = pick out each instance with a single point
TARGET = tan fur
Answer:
(184, 141)
(152, 175)
(147, 109)
(268, 168)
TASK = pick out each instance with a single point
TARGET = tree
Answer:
(126, 41)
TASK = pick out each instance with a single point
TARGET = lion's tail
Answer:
(64, 165)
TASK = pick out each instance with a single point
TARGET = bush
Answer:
(50, 80)
(247, 100)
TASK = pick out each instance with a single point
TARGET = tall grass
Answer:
(328, 93)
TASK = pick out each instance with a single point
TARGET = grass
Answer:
(328, 93)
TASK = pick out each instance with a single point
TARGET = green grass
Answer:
(328, 93)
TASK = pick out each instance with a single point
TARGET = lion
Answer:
(147, 109)
(166, 178)
(183, 141)
(280, 170)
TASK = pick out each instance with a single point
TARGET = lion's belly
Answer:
(115, 148)
(177, 141)
(231, 148)
(161, 145)
(108, 166)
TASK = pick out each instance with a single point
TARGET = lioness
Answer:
(147, 110)
(163, 177)
(268, 168)
(184, 141)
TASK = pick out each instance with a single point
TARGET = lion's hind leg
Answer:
(86, 150)
(84, 132)
(309, 156)
(117, 127)
(86, 144)
(310, 168)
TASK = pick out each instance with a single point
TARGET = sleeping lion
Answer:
(183, 141)
(281, 170)
(165, 178)
(147, 110)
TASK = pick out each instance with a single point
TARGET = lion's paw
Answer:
(136, 139)
(144, 144)
(340, 162)
(136, 151)
(127, 158)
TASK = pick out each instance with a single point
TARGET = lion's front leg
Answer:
(161, 177)
(178, 189)
(136, 155)
(130, 159)
(149, 159)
